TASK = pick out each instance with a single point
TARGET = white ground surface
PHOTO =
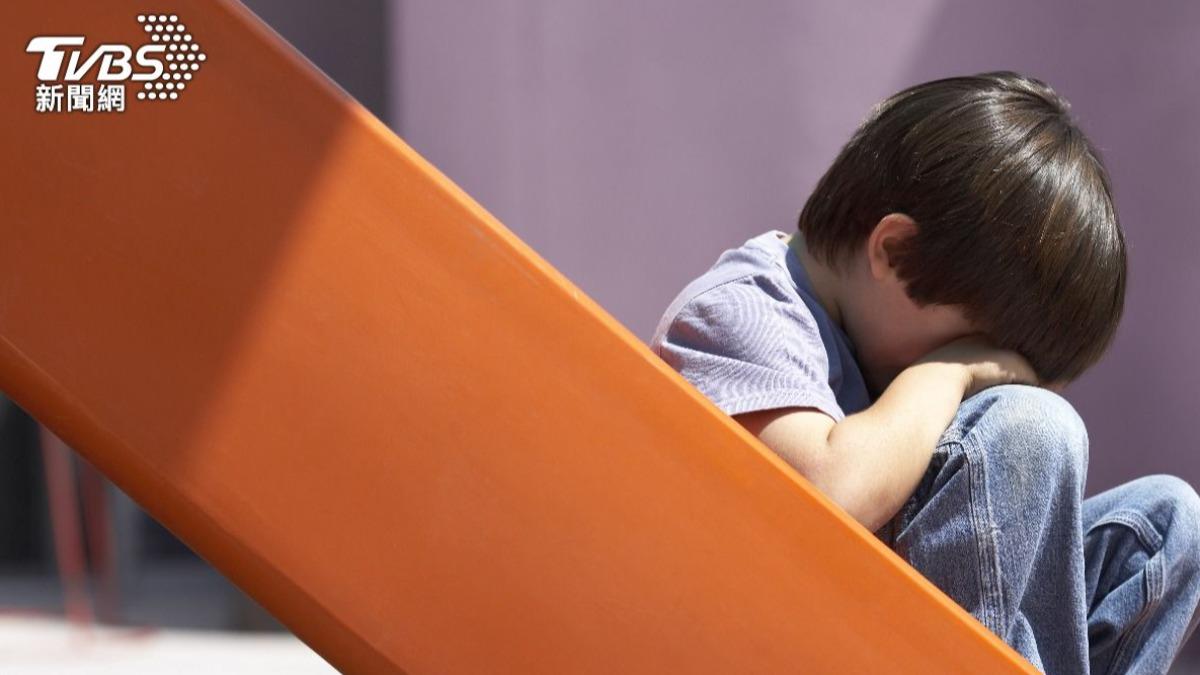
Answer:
(34, 645)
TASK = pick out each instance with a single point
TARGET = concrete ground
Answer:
(48, 645)
(177, 619)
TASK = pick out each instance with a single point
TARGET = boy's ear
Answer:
(888, 236)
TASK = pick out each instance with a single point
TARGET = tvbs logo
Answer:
(163, 67)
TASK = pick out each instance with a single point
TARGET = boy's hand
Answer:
(986, 365)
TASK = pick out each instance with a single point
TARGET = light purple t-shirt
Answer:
(750, 334)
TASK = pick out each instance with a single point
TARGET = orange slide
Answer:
(377, 411)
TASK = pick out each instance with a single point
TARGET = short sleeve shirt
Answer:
(750, 334)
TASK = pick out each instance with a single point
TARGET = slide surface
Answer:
(369, 404)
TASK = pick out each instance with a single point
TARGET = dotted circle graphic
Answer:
(181, 52)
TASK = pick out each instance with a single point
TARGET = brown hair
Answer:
(1013, 206)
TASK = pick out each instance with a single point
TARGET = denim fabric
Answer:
(1107, 584)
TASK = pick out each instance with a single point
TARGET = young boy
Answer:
(956, 266)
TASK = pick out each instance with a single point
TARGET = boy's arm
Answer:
(871, 461)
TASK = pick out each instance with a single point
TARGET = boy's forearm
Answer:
(875, 458)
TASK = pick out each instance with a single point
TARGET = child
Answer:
(956, 266)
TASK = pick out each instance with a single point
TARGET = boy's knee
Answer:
(1033, 432)
(1174, 503)
(1173, 509)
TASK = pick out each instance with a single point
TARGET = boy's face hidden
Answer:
(890, 331)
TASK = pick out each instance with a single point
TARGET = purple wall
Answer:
(630, 144)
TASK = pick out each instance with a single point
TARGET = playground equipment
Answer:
(362, 398)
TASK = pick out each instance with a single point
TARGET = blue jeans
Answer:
(1107, 584)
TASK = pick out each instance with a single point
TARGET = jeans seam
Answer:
(1149, 537)
(1155, 581)
(988, 568)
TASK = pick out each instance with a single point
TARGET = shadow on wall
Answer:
(346, 39)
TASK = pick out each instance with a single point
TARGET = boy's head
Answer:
(990, 210)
